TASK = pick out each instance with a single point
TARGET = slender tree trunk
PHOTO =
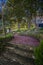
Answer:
(18, 26)
(29, 23)
(18, 20)
(3, 25)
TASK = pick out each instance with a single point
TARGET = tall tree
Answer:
(25, 8)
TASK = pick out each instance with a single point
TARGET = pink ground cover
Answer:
(25, 40)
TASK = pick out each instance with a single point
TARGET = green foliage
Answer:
(37, 36)
(39, 54)
(19, 6)
(2, 47)
(41, 28)
(3, 41)
(6, 38)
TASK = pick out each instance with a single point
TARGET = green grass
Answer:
(38, 52)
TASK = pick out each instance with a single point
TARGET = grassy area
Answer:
(38, 52)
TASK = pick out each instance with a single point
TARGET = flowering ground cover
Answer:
(18, 39)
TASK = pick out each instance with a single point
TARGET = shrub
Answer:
(2, 47)
(37, 36)
(4, 40)
(39, 54)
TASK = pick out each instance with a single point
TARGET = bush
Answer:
(37, 36)
(39, 54)
(2, 47)
(4, 40)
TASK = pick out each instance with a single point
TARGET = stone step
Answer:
(22, 54)
(21, 59)
(19, 52)
(4, 61)
(22, 47)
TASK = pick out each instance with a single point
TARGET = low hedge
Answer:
(37, 36)
(6, 38)
(2, 47)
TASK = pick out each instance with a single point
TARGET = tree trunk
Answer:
(18, 26)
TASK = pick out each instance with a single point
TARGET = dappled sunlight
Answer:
(21, 32)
